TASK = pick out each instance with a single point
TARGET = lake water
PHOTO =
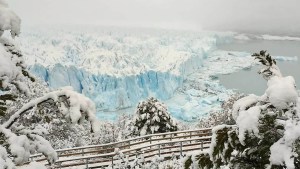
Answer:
(249, 81)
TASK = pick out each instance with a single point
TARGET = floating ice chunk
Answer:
(241, 37)
(286, 58)
(272, 37)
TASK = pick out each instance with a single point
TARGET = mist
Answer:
(252, 16)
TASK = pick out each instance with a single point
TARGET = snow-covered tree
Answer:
(152, 117)
(267, 130)
(8, 20)
(18, 99)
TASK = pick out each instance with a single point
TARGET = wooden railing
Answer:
(163, 144)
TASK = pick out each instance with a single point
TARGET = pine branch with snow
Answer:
(266, 134)
(22, 142)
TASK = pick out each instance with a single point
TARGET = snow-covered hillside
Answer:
(117, 69)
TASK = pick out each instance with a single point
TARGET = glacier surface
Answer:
(117, 68)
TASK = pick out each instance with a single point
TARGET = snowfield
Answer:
(118, 68)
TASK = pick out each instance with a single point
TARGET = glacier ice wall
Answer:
(116, 69)
(110, 93)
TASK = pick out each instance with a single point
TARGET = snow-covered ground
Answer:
(118, 68)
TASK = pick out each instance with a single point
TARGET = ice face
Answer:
(117, 70)
(111, 93)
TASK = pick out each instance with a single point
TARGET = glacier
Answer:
(117, 68)
(110, 93)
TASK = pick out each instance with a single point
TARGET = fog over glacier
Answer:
(271, 16)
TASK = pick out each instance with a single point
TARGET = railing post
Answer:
(59, 164)
(201, 145)
(82, 152)
(150, 141)
(159, 150)
(181, 148)
(112, 162)
(170, 137)
(190, 137)
(87, 163)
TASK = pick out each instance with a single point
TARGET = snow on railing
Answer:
(163, 144)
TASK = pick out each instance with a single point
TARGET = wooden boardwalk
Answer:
(165, 145)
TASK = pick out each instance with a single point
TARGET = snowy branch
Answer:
(74, 106)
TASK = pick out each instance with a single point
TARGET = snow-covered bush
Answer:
(117, 130)
(266, 134)
(19, 98)
(161, 163)
(151, 117)
(123, 162)
(223, 116)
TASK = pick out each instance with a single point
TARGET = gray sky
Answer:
(279, 16)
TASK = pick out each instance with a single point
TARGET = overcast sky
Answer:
(280, 16)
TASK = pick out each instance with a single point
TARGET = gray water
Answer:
(249, 81)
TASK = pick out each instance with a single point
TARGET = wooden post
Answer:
(159, 150)
(150, 141)
(112, 162)
(181, 148)
(190, 137)
(87, 163)
(82, 152)
(201, 145)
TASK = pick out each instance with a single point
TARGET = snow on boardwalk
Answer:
(164, 145)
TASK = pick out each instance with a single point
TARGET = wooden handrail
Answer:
(105, 151)
(133, 139)
(110, 155)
